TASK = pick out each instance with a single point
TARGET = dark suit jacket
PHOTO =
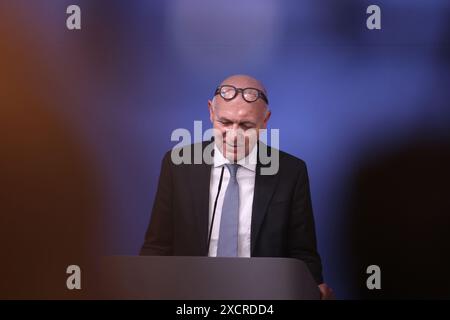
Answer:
(282, 218)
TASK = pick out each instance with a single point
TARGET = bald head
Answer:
(244, 81)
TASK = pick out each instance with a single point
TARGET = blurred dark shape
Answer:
(48, 202)
(443, 48)
(400, 221)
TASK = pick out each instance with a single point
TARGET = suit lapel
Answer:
(264, 188)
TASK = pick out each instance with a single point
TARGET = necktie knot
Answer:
(232, 168)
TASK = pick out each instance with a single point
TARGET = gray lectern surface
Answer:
(206, 278)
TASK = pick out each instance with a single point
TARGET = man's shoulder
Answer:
(291, 159)
(286, 159)
(194, 153)
(189, 147)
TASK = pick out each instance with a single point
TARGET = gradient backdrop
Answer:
(86, 117)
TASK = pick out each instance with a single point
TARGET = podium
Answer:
(206, 278)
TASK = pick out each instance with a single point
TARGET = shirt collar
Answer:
(249, 162)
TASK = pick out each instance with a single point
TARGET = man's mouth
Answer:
(233, 145)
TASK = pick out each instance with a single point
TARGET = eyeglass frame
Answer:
(261, 94)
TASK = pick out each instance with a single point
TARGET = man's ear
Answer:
(268, 114)
(211, 111)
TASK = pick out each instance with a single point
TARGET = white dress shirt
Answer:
(246, 179)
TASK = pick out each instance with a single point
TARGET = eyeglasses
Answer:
(229, 92)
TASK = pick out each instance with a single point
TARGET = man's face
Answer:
(237, 122)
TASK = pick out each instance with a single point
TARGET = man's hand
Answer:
(326, 293)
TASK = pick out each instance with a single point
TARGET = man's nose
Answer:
(234, 131)
(235, 135)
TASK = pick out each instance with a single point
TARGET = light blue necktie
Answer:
(228, 234)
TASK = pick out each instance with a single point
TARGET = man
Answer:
(251, 214)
